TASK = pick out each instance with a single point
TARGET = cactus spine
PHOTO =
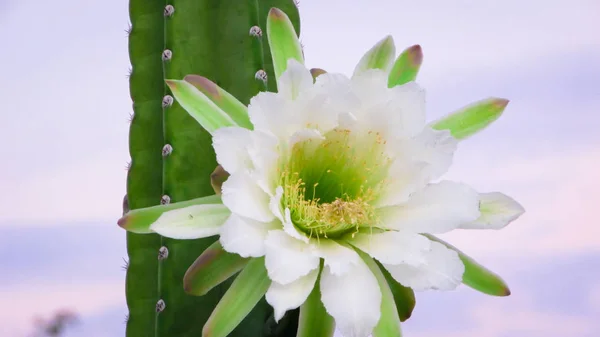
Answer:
(172, 156)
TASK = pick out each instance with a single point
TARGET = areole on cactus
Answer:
(329, 203)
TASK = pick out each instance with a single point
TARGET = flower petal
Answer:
(472, 118)
(230, 146)
(270, 112)
(290, 296)
(477, 276)
(287, 259)
(211, 268)
(442, 270)
(497, 211)
(245, 292)
(393, 247)
(353, 299)
(294, 80)
(283, 41)
(380, 56)
(406, 67)
(244, 197)
(438, 208)
(198, 221)
(200, 107)
(244, 236)
(338, 258)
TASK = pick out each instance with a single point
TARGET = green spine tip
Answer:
(415, 55)
(277, 13)
(406, 67)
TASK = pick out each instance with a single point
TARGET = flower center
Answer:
(329, 184)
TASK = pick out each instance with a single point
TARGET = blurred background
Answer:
(64, 133)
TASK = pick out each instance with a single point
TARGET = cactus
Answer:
(171, 155)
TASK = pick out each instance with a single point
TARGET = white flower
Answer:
(335, 173)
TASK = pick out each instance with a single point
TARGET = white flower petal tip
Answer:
(230, 146)
(394, 247)
(352, 299)
(380, 56)
(287, 259)
(296, 79)
(291, 296)
(442, 270)
(497, 211)
(338, 258)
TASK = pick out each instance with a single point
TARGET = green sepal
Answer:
(211, 268)
(283, 41)
(389, 322)
(316, 72)
(223, 99)
(472, 118)
(477, 276)
(406, 67)
(380, 56)
(404, 297)
(245, 292)
(199, 106)
(139, 220)
(314, 319)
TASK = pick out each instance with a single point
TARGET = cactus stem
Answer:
(165, 200)
(163, 253)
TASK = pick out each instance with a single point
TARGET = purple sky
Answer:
(65, 130)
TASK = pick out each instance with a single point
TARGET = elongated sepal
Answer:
(404, 297)
(316, 72)
(472, 118)
(380, 56)
(314, 319)
(283, 41)
(217, 178)
(185, 219)
(223, 99)
(497, 211)
(389, 322)
(199, 106)
(210, 269)
(245, 292)
(406, 67)
(477, 276)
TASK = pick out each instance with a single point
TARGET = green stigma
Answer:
(329, 184)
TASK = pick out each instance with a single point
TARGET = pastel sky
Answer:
(64, 135)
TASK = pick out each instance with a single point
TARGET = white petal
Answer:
(270, 112)
(230, 146)
(264, 154)
(290, 296)
(193, 222)
(243, 236)
(393, 247)
(442, 270)
(243, 196)
(290, 229)
(352, 299)
(306, 134)
(438, 208)
(287, 259)
(338, 258)
(497, 211)
(294, 80)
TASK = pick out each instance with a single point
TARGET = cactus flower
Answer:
(333, 193)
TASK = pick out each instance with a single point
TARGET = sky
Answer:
(64, 133)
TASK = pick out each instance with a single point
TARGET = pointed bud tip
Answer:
(416, 54)
(203, 84)
(506, 292)
(171, 83)
(500, 102)
(122, 222)
(276, 13)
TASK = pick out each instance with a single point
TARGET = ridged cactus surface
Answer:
(171, 155)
